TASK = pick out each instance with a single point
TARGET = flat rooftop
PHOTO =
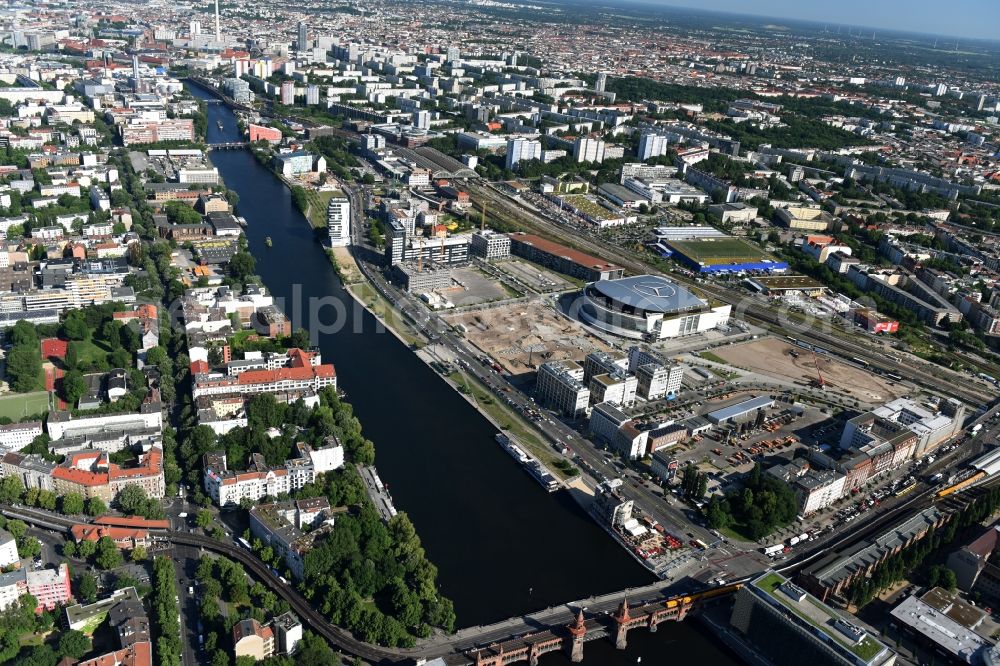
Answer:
(841, 633)
(718, 250)
(937, 627)
(861, 557)
(558, 250)
(649, 293)
(742, 407)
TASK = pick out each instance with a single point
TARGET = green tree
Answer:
(24, 367)
(300, 339)
(17, 528)
(131, 499)
(24, 334)
(74, 386)
(74, 327)
(69, 548)
(242, 266)
(139, 553)
(86, 587)
(107, 556)
(204, 519)
(71, 504)
(11, 490)
(96, 507)
(28, 547)
(72, 359)
(86, 549)
(73, 644)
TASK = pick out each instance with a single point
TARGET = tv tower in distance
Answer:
(218, 30)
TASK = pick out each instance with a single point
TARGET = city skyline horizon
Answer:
(730, 8)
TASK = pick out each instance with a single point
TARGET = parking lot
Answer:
(472, 287)
(736, 447)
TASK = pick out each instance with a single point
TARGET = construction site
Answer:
(779, 358)
(521, 336)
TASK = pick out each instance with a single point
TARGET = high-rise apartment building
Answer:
(303, 41)
(338, 220)
(522, 149)
(588, 150)
(652, 145)
(287, 93)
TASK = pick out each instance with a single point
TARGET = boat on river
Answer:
(535, 468)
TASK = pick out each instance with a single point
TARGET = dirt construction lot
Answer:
(775, 357)
(511, 334)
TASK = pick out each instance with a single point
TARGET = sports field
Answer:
(719, 251)
(18, 405)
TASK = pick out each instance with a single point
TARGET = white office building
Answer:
(559, 385)
(338, 221)
(618, 388)
(8, 549)
(490, 245)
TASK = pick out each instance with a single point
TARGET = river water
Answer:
(503, 546)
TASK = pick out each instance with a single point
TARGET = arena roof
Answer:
(651, 293)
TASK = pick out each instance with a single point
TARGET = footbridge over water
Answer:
(229, 145)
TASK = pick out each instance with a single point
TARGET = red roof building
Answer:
(133, 521)
(124, 537)
(137, 654)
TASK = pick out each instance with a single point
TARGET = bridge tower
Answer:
(683, 609)
(622, 618)
(533, 654)
(577, 632)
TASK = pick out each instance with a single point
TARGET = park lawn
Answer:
(384, 310)
(19, 405)
(89, 352)
(318, 202)
(709, 356)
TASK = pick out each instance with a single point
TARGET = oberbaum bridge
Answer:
(571, 637)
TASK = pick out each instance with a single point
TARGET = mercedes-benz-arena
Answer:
(648, 307)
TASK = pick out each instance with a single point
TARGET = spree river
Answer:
(502, 545)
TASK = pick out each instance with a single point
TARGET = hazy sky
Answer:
(962, 18)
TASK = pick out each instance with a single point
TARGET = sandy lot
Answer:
(516, 333)
(771, 356)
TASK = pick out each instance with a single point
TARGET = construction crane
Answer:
(820, 382)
